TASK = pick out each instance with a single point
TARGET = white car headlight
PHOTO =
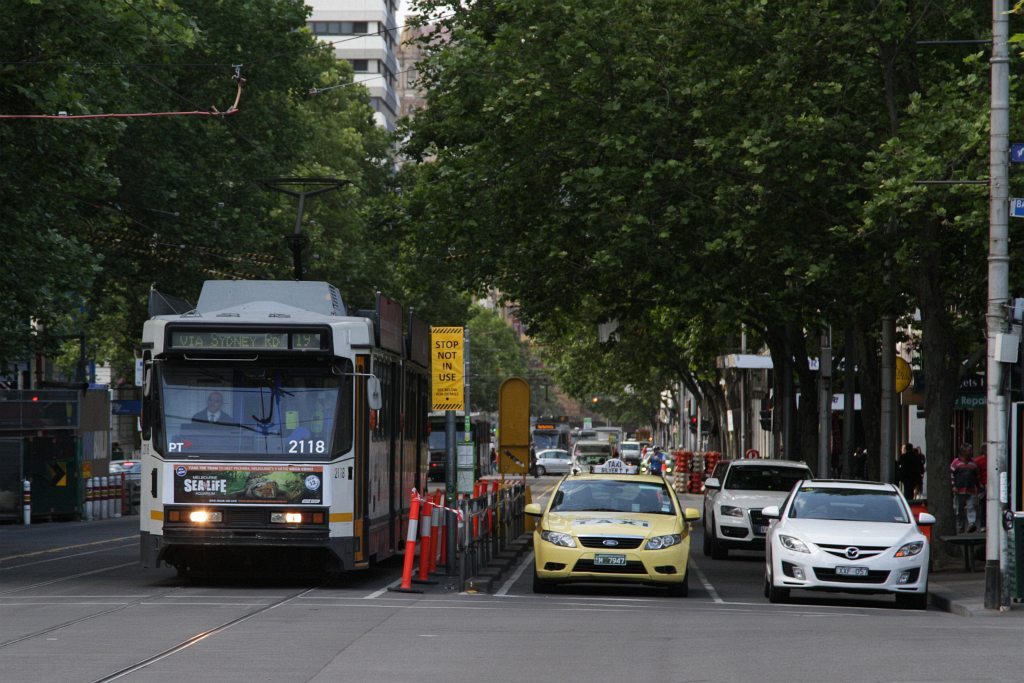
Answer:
(659, 542)
(910, 549)
(794, 544)
(558, 538)
(732, 511)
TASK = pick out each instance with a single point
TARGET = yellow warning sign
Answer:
(446, 368)
(903, 375)
(86, 469)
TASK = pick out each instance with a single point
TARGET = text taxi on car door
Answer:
(612, 525)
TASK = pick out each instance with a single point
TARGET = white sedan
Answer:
(849, 536)
(552, 461)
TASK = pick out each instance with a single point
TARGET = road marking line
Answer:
(516, 574)
(67, 547)
(73, 576)
(382, 591)
(66, 557)
(704, 581)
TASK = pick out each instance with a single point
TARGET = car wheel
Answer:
(707, 540)
(541, 471)
(680, 590)
(540, 585)
(916, 601)
(718, 551)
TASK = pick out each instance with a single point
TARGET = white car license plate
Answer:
(761, 529)
(605, 559)
(851, 571)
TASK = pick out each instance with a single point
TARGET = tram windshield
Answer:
(295, 413)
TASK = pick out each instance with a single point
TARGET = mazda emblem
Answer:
(852, 553)
(610, 542)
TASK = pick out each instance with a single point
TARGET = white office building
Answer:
(364, 33)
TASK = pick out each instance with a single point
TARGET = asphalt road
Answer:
(76, 606)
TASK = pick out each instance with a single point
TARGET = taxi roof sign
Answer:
(614, 466)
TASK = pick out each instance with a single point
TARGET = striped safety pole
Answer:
(118, 493)
(426, 524)
(26, 501)
(89, 514)
(435, 522)
(410, 548)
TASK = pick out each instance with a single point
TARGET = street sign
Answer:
(1017, 153)
(903, 375)
(446, 368)
(1017, 207)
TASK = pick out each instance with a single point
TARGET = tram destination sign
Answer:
(254, 341)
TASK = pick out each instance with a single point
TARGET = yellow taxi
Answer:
(612, 526)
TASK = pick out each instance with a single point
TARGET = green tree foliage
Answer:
(97, 211)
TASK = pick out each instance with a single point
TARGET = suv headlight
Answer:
(732, 511)
(794, 544)
(660, 542)
(910, 549)
(558, 538)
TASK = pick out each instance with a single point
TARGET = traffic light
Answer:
(693, 424)
(766, 420)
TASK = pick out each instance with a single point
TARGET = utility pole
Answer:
(886, 452)
(997, 594)
(849, 388)
(824, 402)
(297, 241)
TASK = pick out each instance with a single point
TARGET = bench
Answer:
(969, 542)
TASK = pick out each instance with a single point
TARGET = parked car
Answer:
(612, 527)
(552, 461)
(850, 536)
(732, 504)
(132, 469)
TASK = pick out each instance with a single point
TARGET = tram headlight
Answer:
(204, 516)
(286, 517)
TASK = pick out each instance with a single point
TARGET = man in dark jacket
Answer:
(908, 470)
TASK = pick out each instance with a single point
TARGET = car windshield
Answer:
(765, 478)
(612, 495)
(437, 440)
(630, 449)
(850, 505)
(543, 440)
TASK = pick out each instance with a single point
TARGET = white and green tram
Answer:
(277, 424)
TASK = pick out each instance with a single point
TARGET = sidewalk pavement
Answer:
(963, 593)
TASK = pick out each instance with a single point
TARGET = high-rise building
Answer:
(364, 33)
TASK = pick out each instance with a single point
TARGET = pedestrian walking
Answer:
(858, 463)
(908, 471)
(964, 475)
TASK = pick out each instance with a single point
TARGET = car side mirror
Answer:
(533, 509)
(712, 483)
(770, 512)
(925, 519)
(373, 396)
(691, 514)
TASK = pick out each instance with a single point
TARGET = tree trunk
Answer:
(870, 381)
(942, 363)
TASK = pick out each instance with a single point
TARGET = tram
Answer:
(277, 422)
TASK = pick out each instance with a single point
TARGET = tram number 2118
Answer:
(306, 446)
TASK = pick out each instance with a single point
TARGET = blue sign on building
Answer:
(126, 407)
(1017, 153)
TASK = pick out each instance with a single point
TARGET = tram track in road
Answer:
(201, 636)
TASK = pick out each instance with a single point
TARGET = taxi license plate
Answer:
(851, 571)
(605, 559)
